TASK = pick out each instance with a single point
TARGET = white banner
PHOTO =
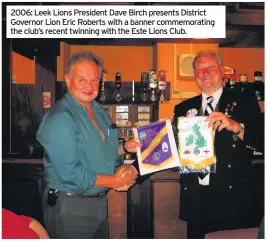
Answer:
(83, 21)
(196, 142)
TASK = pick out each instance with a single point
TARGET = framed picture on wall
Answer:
(185, 68)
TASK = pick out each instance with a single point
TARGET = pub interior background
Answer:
(33, 67)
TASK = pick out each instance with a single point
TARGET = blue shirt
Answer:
(74, 150)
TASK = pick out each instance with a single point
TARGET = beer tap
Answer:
(153, 83)
(162, 83)
(104, 79)
(144, 85)
(118, 86)
(232, 82)
(258, 84)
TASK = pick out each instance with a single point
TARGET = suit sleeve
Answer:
(251, 118)
(178, 111)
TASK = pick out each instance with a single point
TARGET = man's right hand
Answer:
(126, 177)
(122, 180)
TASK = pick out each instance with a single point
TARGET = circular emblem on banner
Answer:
(156, 156)
(164, 147)
(142, 135)
(196, 151)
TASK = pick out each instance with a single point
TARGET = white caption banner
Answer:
(116, 21)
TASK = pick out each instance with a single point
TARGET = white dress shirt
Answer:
(216, 97)
(206, 180)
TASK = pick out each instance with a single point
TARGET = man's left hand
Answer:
(220, 121)
(131, 145)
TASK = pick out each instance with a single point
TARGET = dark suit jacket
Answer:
(227, 196)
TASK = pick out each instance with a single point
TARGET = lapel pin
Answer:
(191, 112)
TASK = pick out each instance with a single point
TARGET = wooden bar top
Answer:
(22, 161)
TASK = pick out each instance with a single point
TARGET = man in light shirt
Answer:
(220, 200)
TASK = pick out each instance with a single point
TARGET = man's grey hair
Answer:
(207, 53)
(81, 56)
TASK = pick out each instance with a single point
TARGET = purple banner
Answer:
(162, 151)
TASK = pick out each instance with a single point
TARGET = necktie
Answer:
(209, 107)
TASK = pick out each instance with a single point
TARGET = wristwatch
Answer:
(242, 127)
(122, 141)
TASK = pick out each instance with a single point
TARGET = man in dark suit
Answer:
(221, 200)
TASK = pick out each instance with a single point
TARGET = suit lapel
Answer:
(224, 99)
(198, 105)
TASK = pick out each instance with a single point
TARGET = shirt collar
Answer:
(215, 95)
(94, 104)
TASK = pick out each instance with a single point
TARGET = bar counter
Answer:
(150, 209)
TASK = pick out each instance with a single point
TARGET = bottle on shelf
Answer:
(153, 83)
(232, 82)
(162, 84)
(243, 79)
(226, 82)
(258, 85)
(229, 78)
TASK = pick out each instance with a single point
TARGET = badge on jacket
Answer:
(192, 112)
(229, 109)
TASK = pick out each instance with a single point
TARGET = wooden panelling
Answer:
(166, 211)
(167, 59)
(22, 69)
(62, 60)
(117, 214)
(26, 114)
(244, 60)
(129, 60)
